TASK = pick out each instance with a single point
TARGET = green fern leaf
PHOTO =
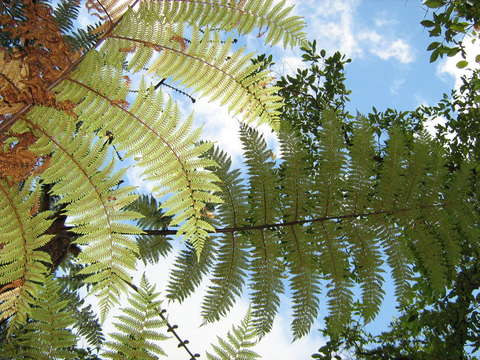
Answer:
(138, 327)
(22, 265)
(46, 336)
(305, 279)
(239, 343)
(266, 283)
(231, 260)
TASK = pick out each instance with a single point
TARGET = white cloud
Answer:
(336, 26)
(385, 48)
(447, 69)
(396, 85)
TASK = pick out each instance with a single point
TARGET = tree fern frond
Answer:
(331, 242)
(239, 343)
(92, 203)
(65, 13)
(305, 278)
(46, 336)
(165, 149)
(389, 187)
(206, 66)
(151, 247)
(22, 265)
(266, 267)
(361, 234)
(231, 260)
(189, 270)
(137, 330)
(243, 16)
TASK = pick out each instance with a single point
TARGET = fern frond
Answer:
(65, 13)
(137, 330)
(46, 336)
(389, 186)
(231, 260)
(151, 247)
(151, 132)
(22, 265)
(329, 197)
(205, 65)
(266, 267)
(361, 233)
(304, 281)
(189, 270)
(86, 186)
(239, 343)
(243, 16)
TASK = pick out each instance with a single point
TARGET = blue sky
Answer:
(390, 68)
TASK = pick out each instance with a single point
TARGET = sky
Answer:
(389, 68)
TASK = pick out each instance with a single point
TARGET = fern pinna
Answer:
(83, 95)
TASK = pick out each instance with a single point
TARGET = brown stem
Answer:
(227, 230)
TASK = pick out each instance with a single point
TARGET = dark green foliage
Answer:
(151, 247)
(231, 265)
(451, 20)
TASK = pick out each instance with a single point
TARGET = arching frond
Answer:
(243, 16)
(205, 64)
(263, 199)
(22, 265)
(150, 132)
(231, 260)
(92, 203)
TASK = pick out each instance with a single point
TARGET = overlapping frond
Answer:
(138, 333)
(22, 265)
(238, 344)
(150, 132)
(151, 247)
(389, 187)
(266, 266)
(232, 252)
(47, 335)
(331, 242)
(361, 233)
(189, 270)
(204, 63)
(299, 247)
(88, 186)
(243, 16)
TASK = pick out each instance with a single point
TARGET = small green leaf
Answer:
(433, 45)
(477, 58)
(434, 55)
(462, 63)
(427, 23)
(433, 4)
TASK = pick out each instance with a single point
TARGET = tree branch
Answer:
(227, 230)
